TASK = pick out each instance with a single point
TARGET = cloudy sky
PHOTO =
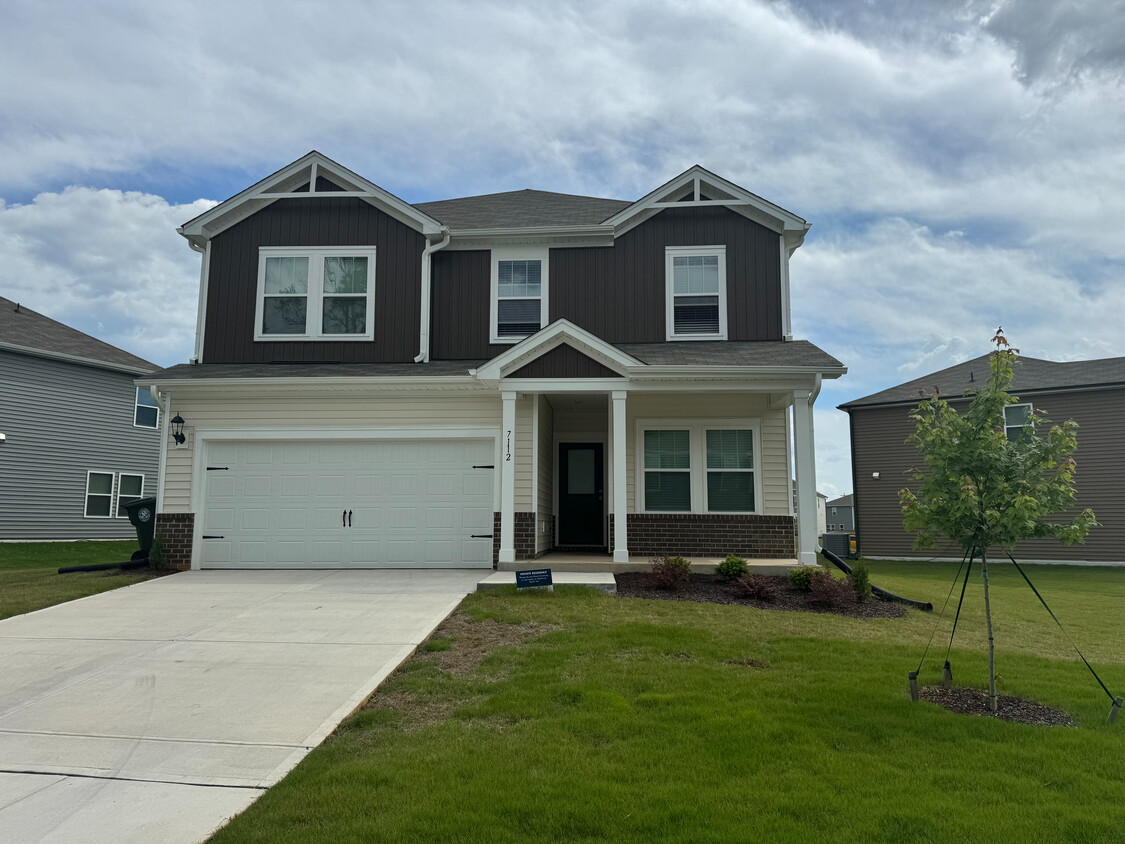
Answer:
(962, 162)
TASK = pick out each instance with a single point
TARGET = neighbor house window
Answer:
(146, 413)
(519, 293)
(1016, 417)
(129, 489)
(667, 470)
(696, 466)
(99, 495)
(696, 278)
(323, 293)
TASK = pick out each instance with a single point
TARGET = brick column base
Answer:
(524, 537)
(175, 530)
(710, 535)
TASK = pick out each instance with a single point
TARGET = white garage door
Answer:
(363, 504)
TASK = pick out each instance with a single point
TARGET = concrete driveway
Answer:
(157, 711)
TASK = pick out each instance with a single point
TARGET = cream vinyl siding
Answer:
(312, 411)
(773, 462)
(525, 452)
(545, 504)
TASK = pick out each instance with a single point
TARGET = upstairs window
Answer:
(323, 293)
(146, 413)
(696, 278)
(1016, 417)
(519, 293)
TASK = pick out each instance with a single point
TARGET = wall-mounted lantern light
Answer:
(177, 423)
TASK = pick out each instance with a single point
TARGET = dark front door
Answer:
(581, 492)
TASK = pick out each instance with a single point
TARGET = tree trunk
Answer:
(992, 704)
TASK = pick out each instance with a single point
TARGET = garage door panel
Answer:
(412, 503)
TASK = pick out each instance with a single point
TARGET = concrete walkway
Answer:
(158, 711)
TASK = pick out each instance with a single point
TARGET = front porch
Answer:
(569, 561)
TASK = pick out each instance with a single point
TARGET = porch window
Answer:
(315, 293)
(730, 471)
(668, 471)
(696, 279)
(519, 293)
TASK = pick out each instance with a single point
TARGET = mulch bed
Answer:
(710, 589)
(1016, 709)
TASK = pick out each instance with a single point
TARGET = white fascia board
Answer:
(756, 372)
(558, 332)
(355, 383)
(94, 362)
(198, 231)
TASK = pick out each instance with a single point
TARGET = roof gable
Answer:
(506, 364)
(521, 209)
(564, 361)
(311, 175)
(28, 332)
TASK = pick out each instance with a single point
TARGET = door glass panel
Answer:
(580, 472)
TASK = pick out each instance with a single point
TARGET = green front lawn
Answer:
(29, 578)
(633, 720)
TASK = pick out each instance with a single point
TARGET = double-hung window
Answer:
(1016, 417)
(696, 280)
(146, 413)
(697, 466)
(519, 293)
(99, 495)
(315, 293)
(129, 489)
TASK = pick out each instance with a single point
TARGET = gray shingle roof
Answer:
(31, 330)
(522, 209)
(1031, 375)
(842, 501)
(189, 372)
(729, 353)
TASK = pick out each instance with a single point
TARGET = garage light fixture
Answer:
(177, 423)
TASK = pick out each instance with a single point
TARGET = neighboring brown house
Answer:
(1092, 393)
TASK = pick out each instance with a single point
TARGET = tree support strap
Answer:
(941, 615)
(1116, 708)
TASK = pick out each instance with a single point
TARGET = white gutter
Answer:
(427, 286)
(201, 312)
(164, 400)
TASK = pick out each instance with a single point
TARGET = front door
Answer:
(581, 494)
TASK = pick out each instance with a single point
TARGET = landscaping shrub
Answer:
(828, 592)
(801, 578)
(758, 586)
(731, 568)
(670, 572)
(860, 579)
(157, 557)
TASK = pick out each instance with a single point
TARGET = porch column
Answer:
(620, 523)
(508, 479)
(805, 453)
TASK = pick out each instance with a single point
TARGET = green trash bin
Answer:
(142, 514)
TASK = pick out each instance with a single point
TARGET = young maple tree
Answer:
(985, 490)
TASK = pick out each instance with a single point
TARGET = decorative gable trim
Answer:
(312, 175)
(558, 333)
(697, 187)
(564, 361)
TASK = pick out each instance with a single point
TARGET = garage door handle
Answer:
(481, 536)
(344, 519)
(213, 537)
(349, 518)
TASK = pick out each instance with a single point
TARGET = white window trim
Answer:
(671, 252)
(117, 497)
(314, 312)
(111, 495)
(137, 404)
(697, 449)
(517, 253)
(1030, 408)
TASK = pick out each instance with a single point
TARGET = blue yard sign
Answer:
(533, 578)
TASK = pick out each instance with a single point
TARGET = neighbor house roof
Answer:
(842, 501)
(29, 332)
(521, 209)
(1031, 375)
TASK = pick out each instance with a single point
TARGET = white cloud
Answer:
(108, 263)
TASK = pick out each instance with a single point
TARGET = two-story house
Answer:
(484, 380)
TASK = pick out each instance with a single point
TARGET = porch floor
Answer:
(595, 562)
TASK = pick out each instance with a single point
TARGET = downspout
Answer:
(427, 285)
(164, 400)
(201, 310)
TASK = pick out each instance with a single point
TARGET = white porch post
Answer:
(805, 453)
(508, 479)
(620, 523)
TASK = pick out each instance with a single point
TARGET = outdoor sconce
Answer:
(875, 475)
(177, 423)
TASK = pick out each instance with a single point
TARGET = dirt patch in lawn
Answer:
(471, 641)
(707, 588)
(1017, 709)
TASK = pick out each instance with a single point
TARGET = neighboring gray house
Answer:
(77, 439)
(840, 514)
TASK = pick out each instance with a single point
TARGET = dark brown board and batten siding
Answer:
(618, 293)
(878, 443)
(336, 221)
(564, 362)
